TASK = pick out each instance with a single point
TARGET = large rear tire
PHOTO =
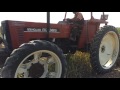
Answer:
(36, 59)
(105, 49)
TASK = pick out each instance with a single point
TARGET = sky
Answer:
(113, 19)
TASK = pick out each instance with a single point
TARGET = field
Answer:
(79, 67)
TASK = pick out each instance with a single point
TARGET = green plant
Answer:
(118, 28)
(79, 65)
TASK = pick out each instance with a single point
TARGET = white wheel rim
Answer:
(109, 49)
(23, 68)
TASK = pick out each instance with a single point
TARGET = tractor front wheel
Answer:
(36, 59)
(105, 49)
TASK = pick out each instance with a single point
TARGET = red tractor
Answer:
(36, 50)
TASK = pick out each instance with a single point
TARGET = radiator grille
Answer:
(20, 33)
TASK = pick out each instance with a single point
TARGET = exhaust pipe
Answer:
(48, 24)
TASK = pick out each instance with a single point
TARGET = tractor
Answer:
(38, 50)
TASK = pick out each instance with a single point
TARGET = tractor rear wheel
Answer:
(105, 49)
(36, 59)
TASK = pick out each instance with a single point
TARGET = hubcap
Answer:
(38, 70)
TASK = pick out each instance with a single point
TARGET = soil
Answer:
(113, 74)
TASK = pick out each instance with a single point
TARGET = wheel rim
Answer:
(109, 49)
(40, 64)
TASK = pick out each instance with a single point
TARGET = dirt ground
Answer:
(115, 73)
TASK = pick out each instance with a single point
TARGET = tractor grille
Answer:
(20, 33)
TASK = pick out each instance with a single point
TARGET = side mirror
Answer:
(104, 17)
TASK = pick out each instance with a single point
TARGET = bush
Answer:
(79, 65)
(118, 30)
